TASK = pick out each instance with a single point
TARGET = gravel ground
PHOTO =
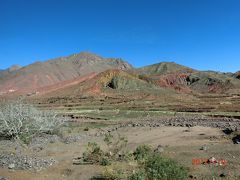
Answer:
(15, 162)
(221, 123)
(18, 161)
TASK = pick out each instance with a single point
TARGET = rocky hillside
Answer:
(5, 73)
(113, 80)
(86, 72)
(42, 74)
(187, 80)
(237, 75)
(163, 68)
(117, 79)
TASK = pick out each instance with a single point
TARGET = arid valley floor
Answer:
(189, 116)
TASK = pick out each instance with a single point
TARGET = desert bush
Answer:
(116, 146)
(137, 175)
(114, 174)
(108, 139)
(105, 161)
(149, 166)
(142, 152)
(157, 167)
(86, 129)
(19, 120)
(93, 153)
(145, 164)
(153, 166)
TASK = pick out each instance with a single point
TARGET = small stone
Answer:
(3, 178)
(159, 149)
(236, 139)
(191, 177)
(203, 148)
(11, 166)
(223, 175)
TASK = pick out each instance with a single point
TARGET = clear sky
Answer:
(202, 34)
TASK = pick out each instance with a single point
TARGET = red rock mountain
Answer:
(81, 73)
(41, 74)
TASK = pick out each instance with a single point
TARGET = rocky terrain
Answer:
(11, 161)
(64, 71)
(226, 124)
(41, 74)
(182, 112)
(47, 152)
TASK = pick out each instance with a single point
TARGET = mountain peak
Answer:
(163, 68)
(46, 73)
(86, 56)
(14, 68)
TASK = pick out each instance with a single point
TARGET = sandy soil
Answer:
(169, 137)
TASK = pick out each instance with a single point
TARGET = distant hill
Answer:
(113, 83)
(14, 68)
(41, 74)
(92, 74)
(6, 72)
(163, 68)
(184, 79)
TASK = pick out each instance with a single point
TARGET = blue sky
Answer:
(202, 34)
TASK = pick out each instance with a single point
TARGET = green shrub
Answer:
(157, 168)
(108, 139)
(153, 166)
(138, 175)
(142, 152)
(114, 174)
(116, 146)
(25, 138)
(145, 163)
(86, 129)
(104, 161)
(93, 154)
(149, 166)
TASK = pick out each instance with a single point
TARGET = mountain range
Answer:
(87, 73)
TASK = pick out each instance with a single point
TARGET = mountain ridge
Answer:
(62, 72)
(40, 74)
